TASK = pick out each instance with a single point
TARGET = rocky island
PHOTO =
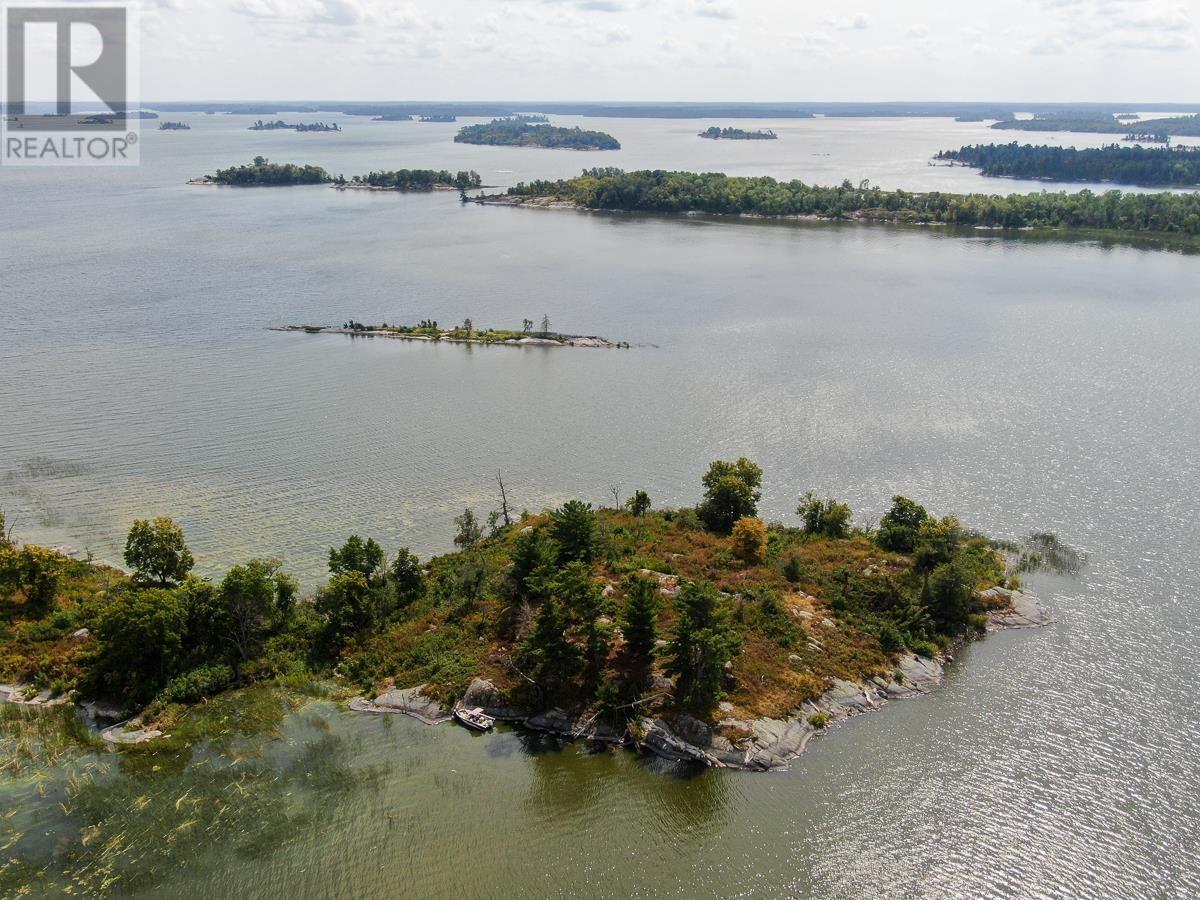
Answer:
(523, 131)
(301, 128)
(261, 172)
(699, 634)
(737, 134)
(466, 333)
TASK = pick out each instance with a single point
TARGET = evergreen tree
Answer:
(640, 626)
(900, 525)
(551, 659)
(573, 526)
(703, 642)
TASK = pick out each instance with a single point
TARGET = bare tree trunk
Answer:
(503, 501)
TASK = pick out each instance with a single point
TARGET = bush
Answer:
(794, 569)
(197, 684)
(890, 639)
(820, 720)
(750, 540)
(827, 518)
(978, 621)
(924, 648)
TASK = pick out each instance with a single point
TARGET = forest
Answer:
(674, 192)
(518, 132)
(1103, 123)
(417, 179)
(584, 607)
(264, 173)
(1164, 166)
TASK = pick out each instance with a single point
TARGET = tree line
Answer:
(1126, 165)
(662, 191)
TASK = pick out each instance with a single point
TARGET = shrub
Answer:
(890, 639)
(978, 621)
(750, 540)
(827, 518)
(820, 719)
(924, 648)
(197, 684)
(794, 569)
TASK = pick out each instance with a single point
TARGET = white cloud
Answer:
(857, 22)
(713, 9)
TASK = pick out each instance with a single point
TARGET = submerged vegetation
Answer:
(578, 607)
(689, 192)
(1127, 165)
(525, 131)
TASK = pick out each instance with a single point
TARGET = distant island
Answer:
(392, 117)
(737, 134)
(1162, 166)
(701, 634)
(174, 126)
(1180, 126)
(466, 333)
(301, 128)
(713, 193)
(439, 117)
(1143, 137)
(264, 173)
(516, 131)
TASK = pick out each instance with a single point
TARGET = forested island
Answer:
(439, 117)
(517, 131)
(718, 194)
(302, 128)
(737, 134)
(701, 634)
(1103, 124)
(174, 126)
(264, 173)
(1126, 165)
(464, 333)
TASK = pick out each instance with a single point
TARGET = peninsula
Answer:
(466, 333)
(699, 634)
(520, 131)
(1159, 215)
(737, 134)
(1157, 166)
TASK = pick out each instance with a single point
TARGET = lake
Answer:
(1020, 383)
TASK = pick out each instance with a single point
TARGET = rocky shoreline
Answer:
(761, 745)
(568, 340)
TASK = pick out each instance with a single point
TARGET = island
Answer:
(516, 131)
(1143, 137)
(300, 128)
(439, 117)
(737, 134)
(1158, 216)
(1162, 166)
(174, 126)
(701, 634)
(1103, 124)
(264, 173)
(466, 333)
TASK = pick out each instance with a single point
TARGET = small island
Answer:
(1174, 216)
(1144, 137)
(737, 134)
(174, 126)
(264, 173)
(466, 333)
(700, 634)
(439, 117)
(518, 131)
(412, 180)
(1158, 166)
(300, 128)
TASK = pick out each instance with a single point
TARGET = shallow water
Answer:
(1021, 384)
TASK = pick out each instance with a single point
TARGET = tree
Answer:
(573, 526)
(827, 518)
(250, 597)
(408, 581)
(469, 529)
(639, 503)
(504, 510)
(345, 604)
(468, 326)
(526, 325)
(156, 551)
(552, 659)
(356, 555)
(35, 572)
(534, 566)
(546, 324)
(900, 525)
(640, 626)
(701, 645)
(950, 595)
(750, 540)
(730, 493)
(140, 643)
(938, 542)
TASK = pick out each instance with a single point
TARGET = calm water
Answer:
(1022, 384)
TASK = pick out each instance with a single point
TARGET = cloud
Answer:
(713, 9)
(857, 22)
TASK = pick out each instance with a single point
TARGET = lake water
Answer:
(1022, 384)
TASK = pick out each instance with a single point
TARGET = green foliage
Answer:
(820, 720)
(938, 542)
(701, 645)
(140, 636)
(794, 570)
(35, 572)
(1165, 166)
(249, 600)
(201, 682)
(512, 132)
(573, 526)
(827, 518)
(675, 192)
(419, 179)
(890, 639)
(737, 134)
(346, 605)
(950, 594)
(900, 525)
(926, 649)
(264, 173)
(356, 555)
(1103, 123)
(551, 660)
(640, 624)
(730, 493)
(156, 551)
(639, 503)
(469, 529)
(534, 566)
(406, 577)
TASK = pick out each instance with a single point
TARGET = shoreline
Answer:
(767, 745)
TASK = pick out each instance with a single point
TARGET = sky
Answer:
(751, 50)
